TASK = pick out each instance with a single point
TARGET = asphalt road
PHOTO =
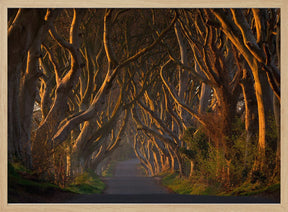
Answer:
(129, 179)
(129, 185)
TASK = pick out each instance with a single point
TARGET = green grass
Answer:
(18, 167)
(200, 187)
(16, 180)
(21, 179)
(87, 183)
(248, 189)
(182, 186)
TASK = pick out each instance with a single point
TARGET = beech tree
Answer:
(31, 26)
(256, 49)
(157, 77)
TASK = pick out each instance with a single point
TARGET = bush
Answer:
(197, 146)
(222, 172)
(243, 156)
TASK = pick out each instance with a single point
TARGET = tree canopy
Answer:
(194, 91)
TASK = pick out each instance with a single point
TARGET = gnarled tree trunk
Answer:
(21, 35)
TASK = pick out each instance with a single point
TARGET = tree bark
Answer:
(251, 56)
(183, 74)
(28, 90)
(251, 115)
(64, 86)
(20, 38)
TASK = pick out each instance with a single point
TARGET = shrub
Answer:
(197, 146)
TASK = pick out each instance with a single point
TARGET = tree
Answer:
(152, 75)
(237, 29)
(24, 36)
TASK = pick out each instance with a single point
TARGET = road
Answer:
(128, 179)
(129, 185)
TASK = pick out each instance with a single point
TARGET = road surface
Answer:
(128, 179)
(129, 185)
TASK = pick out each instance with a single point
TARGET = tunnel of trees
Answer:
(194, 91)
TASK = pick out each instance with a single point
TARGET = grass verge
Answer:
(185, 186)
(87, 183)
(200, 187)
(23, 186)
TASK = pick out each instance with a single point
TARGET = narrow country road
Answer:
(128, 179)
(129, 185)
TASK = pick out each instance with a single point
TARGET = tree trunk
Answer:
(204, 97)
(183, 75)
(28, 90)
(20, 37)
(46, 88)
(259, 163)
(251, 116)
(65, 85)
(27, 97)
(204, 93)
(243, 44)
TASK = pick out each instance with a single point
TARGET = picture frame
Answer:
(5, 4)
